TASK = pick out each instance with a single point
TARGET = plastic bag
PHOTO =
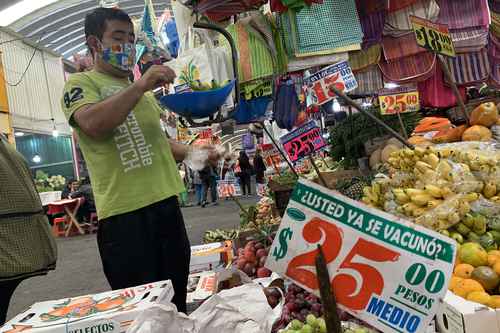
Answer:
(446, 215)
(163, 318)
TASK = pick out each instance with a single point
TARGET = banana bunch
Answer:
(442, 214)
(220, 235)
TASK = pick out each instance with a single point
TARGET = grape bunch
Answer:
(311, 325)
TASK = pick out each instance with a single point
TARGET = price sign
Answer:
(433, 36)
(384, 270)
(183, 133)
(271, 156)
(258, 89)
(303, 141)
(317, 85)
(400, 100)
(228, 188)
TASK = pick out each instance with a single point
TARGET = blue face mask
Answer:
(120, 56)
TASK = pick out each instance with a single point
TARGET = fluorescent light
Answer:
(391, 85)
(21, 9)
(36, 159)
(55, 133)
(366, 104)
(19, 133)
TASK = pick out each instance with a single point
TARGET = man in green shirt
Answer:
(132, 164)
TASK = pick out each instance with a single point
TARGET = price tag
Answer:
(303, 141)
(317, 85)
(227, 188)
(258, 89)
(433, 36)
(271, 156)
(183, 133)
(400, 100)
(386, 271)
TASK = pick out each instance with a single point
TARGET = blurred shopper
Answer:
(245, 173)
(260, 169)
(198, 187)
(27, 247)
(71, 186)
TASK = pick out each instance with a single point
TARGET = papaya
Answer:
(429, 124)
(418, 140)
(449, 135)
(477, 133)
(485, 114)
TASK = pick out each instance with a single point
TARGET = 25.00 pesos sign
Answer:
(384, 271)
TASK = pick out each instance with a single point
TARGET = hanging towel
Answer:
(414, 68)
(372, 24)
(369, 81)
(398, 23)
(394, 5)
(434, 93)
(458, 14)
(299, 64)
(469, 39)
(361, 59)
(326, 28)
(467, 68)
(399, 47)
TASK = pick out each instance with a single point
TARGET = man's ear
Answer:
(94, 44)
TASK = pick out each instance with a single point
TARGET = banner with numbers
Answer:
(384, 270)
(433, 36)
(228, 188)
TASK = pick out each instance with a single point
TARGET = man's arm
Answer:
(100, 119)
(179, 150)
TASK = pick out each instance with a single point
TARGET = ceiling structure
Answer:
(59, 25)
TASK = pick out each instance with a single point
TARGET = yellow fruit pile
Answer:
(435, 186)
(476, 276)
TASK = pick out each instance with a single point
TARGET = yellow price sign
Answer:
(258, 89)
(398, 101)
(433, 36)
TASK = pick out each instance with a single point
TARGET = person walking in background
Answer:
(198, 187)
(259, 167)
(245, 173)
(27, 247)
(208, 178)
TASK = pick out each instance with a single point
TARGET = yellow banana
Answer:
(432, 160)
(419, 211)
(376, 189)
(422, 166)
(402, 198)
(445, 153)
(413, 191)
(421, 199)
(453, 218)
(463, 207)
(490, 189)
(433, 190)
(447, 192)
(434, 203)
(366, 200)
(473, 196)
(409, 208)
(419, 151)
(443, 167)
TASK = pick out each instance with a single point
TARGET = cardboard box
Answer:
(208, 257)
(109, 312)
(200, 287)
(458, 315)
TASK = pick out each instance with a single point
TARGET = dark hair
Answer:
(95, 21)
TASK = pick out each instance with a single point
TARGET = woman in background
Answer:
(245, 174)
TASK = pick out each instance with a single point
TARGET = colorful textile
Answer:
(414, 68)
(361, 59)
(494, 5)
(326, 28)
(467, 68)
(369, 81)
(469, 39)
(298, 64)
(394, 5)
(434, 93)
(372, 25)
(366, 7)
(399, 47)
(495, 23)
(458, 14)
(219, 10)
(398, 23)
(494, 58)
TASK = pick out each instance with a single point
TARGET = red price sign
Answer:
(398, 101)
(383, 270)
(303, 141)
(228, 188)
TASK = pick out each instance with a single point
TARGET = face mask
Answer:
(144, 67)
(120, 56)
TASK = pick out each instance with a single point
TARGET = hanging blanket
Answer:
(364, 58)
(219, 10)
(299, 64)
(469, 39)
(467, 68)
(399, 47)
(494, 58)
(494, 5)
(394, 5)
(366, 7)
(434, 93)
(414, 68)
(458, 14)
(326, 28)
(369, 81)
(372, 25)
(398, 23)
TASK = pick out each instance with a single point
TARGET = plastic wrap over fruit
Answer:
(447, 214)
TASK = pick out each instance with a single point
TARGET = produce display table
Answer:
(48, 197)
(70, 208)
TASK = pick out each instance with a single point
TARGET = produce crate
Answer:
(246, 236)
(282, 193)
(332, 177)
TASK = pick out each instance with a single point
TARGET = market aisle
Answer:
(79, 270)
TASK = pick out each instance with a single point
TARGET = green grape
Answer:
(296, 324)
(307, 329)
(321, 325)
(311, 320)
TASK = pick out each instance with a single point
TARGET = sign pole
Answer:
(327, 296)
(402, 124)
(320, 176)
(454, 87)
(355, 105)
(281, 152)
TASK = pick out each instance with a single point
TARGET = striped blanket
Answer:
(398, 23)
(399, 47)
(467, 68)
(459, 14)
(414, 68)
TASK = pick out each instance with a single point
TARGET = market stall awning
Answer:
(59, 24)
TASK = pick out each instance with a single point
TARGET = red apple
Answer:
(263, 272)
(261, 253)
